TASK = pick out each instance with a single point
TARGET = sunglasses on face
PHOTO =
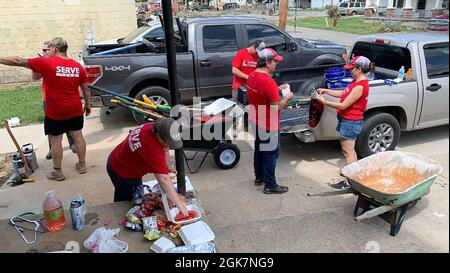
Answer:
(45, 49)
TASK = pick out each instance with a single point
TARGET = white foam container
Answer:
(171, 213)
(196, 233)
(162, 245)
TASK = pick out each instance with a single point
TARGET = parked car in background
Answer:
(151, 32)
(351, 8)
(202, 7)
(437, 25)
(230, 6)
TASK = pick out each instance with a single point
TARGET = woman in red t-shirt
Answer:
(350, 109)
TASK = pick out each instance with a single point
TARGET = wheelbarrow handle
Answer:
(331, 193)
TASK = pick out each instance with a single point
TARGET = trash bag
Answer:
(102, 241)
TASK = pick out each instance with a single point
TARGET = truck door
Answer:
(434, 63)
(284, 45)
(215, 52)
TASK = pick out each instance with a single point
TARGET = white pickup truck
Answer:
(416, 103)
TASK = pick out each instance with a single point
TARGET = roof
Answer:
(404, 38)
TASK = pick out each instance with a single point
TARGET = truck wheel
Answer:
(227, 155)
(380, 133)
(157, 94)
(353, 13)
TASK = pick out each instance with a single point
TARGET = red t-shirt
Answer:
(261, 91)
(245, 62)
(357, 109)
(61, 79)
(140, 153)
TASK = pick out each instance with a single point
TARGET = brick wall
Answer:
(24, 25)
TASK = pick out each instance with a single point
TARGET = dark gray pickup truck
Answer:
(205, 49)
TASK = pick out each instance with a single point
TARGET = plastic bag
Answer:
(102, 241)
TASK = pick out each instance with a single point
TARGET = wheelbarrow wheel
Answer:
(227, 155)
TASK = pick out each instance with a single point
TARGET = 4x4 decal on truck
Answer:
(117, 68)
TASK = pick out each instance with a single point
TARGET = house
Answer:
(411, 9)
(25, 25)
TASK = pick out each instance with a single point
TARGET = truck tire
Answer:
(157, 94)
(353, 13)
(380, 132)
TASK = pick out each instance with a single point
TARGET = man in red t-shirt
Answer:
(62, 77)
(48, 52)
(245, 63)
(264, 107)
(145, 150)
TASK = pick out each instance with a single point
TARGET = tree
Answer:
(333, 12)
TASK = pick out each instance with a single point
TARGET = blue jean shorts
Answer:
(349, 129)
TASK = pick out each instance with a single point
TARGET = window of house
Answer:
(436, 58)
(219, 38)
(271, 36)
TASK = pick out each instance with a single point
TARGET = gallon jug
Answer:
(30, 156)
(53, 212)
(401, 73)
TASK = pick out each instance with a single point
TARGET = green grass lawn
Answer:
(24, 102)
(353, 25)
(307, 10)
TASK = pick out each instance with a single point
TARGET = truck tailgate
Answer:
(295, 116)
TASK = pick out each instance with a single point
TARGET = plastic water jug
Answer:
(53, 212)
(401, 73)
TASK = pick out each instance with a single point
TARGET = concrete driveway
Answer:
(242, 217)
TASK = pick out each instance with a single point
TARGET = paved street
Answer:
(241, 216)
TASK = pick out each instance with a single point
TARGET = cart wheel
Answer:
(227, 155)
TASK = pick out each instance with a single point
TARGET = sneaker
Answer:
(56, 175)
(73, 148)
(340, 186)
(278, 189)
(258, 182)
(49, 155)
(81, 167)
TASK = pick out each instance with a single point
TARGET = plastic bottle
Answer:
(401, 73)
(53, 212)
(409, 74)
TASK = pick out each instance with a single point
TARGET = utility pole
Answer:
(173, 84)
(283, 10)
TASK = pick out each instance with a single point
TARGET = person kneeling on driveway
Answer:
(145, 150)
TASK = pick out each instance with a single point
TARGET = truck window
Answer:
(154, 34)
(343, 5)
(272, 37)
(219, 38)
(357, 5)
(436, 58)
(352, 5)
(383, 55)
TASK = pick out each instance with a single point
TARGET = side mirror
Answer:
(292, 46)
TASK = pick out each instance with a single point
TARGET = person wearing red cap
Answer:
(264, 119)
(350, 109)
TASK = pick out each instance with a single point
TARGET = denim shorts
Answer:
(349, 129)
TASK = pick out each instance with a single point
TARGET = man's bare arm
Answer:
(14, 61)
(87, 98)
(239, 73)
